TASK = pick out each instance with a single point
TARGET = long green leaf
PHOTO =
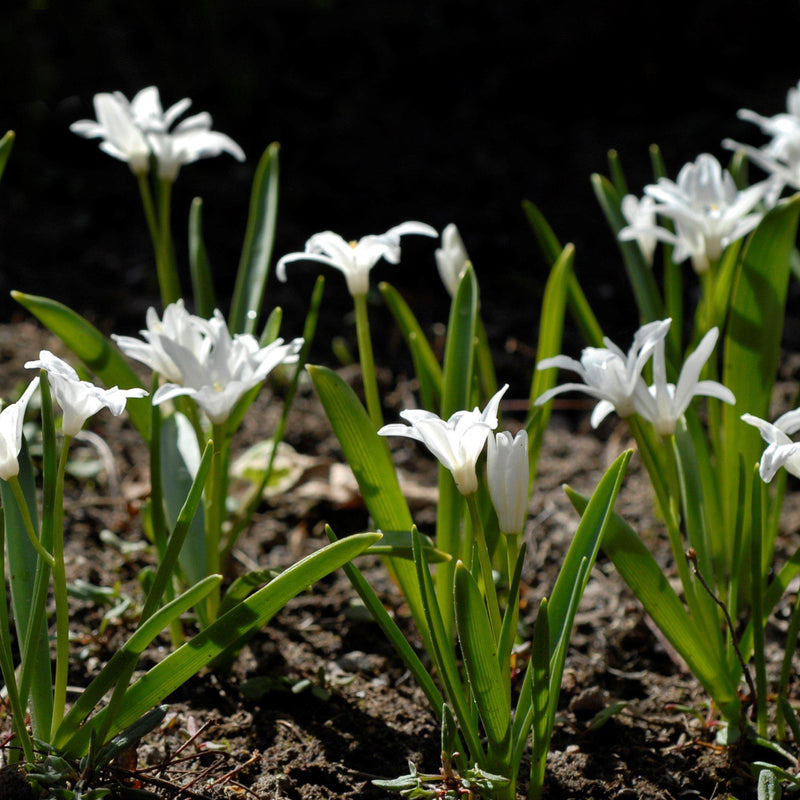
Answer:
(202, 282)
(22, 563)
(585, 545)
(457, 387)
(368, 457)
(97, 353)
(251, 278)
(6, 143)
(642, 573)
(479, 652)
(426, 367)
(251, 614)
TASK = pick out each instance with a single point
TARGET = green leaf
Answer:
(202, 283)
(479, 652)
(22, 563)
(251, 614)
(752, 340)
(426, 367)
(585, 545)
(457, 388)
(6, 143)
(251, 278)
(398, 544)
(539, 679)
(642, 573)
(644, 286)
(617, 174)
(243, 586)
(551, 329)
(97, 353)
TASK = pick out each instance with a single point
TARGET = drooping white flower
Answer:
(227, 368)
(79, 399)
(613, 377)
(781, 450)
(355, 259)
(507, 474)
(664, 404)
(135, 129)
(184, 330)
(457, 442)
(708, 210)
(122, 137)
(451, 258)
(640, 215)
(11, 419)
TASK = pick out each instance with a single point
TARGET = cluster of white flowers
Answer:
(616, 379)
(199, 358)
(134, 130)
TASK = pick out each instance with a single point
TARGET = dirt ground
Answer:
(318, 705)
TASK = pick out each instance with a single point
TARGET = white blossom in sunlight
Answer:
(781, 450)
(79, 399)
(11, 419)
(640, 215)
(784, 128)
(456, 442)
(708, 210)
(355, 259)
(507, 474)
(665, 403)
(608, 374)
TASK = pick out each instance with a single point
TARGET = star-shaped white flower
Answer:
(451, 258)
(225, 370)
(640, 214)
(781, 450)
(79, 399)
(184, 330)
(134, 129)
(457, 442)
(610, 375)
(784, 128)
(11, 419)
(355, 259)
(122, 137)
(665, 403)
(708, 210)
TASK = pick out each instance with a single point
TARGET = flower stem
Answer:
(19, 496)
(60, 592)
(486, 564)
(215, 510)
(367, 361)
(165, 262)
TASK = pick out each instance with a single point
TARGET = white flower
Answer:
(783, 128)
(457, 443)
(79, 399)
(134, 129)
(226, 369)
(122, 137)
(781, 450)
(641, 217)
(610, 375)
(507, 473)
(451, 258)
(783, 167)
(183, 329)
(355, 259)
(11, 419)
(664, 404)
(708, 210)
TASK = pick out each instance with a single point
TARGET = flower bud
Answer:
(507, 472)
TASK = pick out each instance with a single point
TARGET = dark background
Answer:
(447, 110)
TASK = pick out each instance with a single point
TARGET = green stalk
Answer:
(19, 496)
(786, 667)
(367, 361)
(486, 564)
(165, 264)
(756, 604)
(149, 210)
(215, 509)
(60, 592)
(7, 661)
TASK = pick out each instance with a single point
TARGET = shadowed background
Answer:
(448, 110)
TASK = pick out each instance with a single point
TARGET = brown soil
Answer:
(318, 705)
